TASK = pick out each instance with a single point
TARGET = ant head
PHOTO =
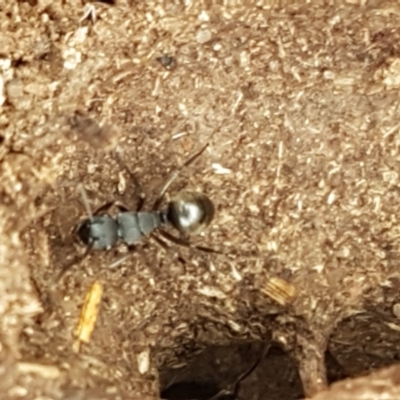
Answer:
(82, 231)
(190, 212)
(100, 232)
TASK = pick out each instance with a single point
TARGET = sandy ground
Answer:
(300, 107)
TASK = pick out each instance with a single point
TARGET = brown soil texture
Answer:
(300, 106)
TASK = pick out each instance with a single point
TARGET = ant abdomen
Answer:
(190, 212)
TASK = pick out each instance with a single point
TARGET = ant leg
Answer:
(121, 207)
(104, 208)
(138, 189)
(72, 263)
(131, 249)
(161, 242)
(167, 248)
(173, 176)
(186, 243)
(138, 186)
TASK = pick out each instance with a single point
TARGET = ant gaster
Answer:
(188, 212)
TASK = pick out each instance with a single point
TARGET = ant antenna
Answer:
(174, 175)
(85, 200)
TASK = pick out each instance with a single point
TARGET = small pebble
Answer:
(396, 310)
(203, 36)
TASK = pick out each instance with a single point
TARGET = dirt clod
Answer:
(299, 105)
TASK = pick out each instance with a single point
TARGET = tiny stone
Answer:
(203, 36)
(396, 310)
(274, 65)
(217, 47)
(329, 75)
(143, 360)
(15, 90)
(204, 17)
(5, 63)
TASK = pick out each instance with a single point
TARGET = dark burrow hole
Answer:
(359, 345)
(364, 343)
(214, 374)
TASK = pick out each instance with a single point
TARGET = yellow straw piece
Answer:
(88, 317)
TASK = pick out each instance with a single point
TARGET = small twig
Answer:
(89, 13)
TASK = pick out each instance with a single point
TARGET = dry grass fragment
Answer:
(280, 290)
(88, 317)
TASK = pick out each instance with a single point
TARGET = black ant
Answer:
(188, 212)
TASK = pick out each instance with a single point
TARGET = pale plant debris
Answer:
(88, 316)
(143, 361)
(46, 371)
(396, 310)
(89, 13)
(219, 169)
(393, 326)
(280, 290)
